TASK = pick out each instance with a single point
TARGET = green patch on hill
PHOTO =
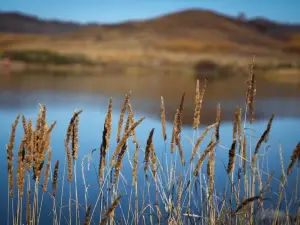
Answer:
(46, 57)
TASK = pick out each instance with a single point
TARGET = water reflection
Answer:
(60, 88)
(61, 106)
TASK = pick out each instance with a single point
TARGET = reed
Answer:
(211, 177)
(135, 164)
(110, 210)
(174, 132)
(75, 139)
(29, 146)
(201, 99)
(231, 157)
(25, 128)
(131, 118)
(263, 138)
(21, 168)
(10, 156)
(199, 140)
(182, 195)
(71, 136)
(55, 178)
(251, 92)
(180, 149)
(149, 146)
(105, 140)
(28, 207)
(197, 107)
(218, 122)
(153, 161)
(179, 196)
(163, 119)
(121, 150)
(46, 175)
(239, 126)
(209, 148)
(244, 150)
(295, 155)
(87, 215)
(245, 203)
(236, 123)
(122, 114)
(179, 117)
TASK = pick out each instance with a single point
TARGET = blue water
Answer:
(60, 107)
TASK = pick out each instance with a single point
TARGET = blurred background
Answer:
(76, 54)
(60, 51)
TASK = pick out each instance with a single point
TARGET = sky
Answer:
(114, 11)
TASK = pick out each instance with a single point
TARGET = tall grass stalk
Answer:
(163, 190)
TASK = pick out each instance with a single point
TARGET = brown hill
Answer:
(274, 29)
(26, 24)
(190, 34)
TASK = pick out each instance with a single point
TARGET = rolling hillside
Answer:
(27, 24)
(176, 37)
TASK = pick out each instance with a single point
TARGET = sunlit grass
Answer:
(168, 189)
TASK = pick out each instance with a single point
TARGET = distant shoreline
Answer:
(18, 66)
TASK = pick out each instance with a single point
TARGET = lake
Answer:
(62, 94)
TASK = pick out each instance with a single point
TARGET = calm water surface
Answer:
(61, 105)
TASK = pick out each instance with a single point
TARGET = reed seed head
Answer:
(55, 178)
(199, 140)
(148, 150)
(46, 175)
(197, 107)
(110, 210)
(294, 157)
(122, 114)
(163, 118)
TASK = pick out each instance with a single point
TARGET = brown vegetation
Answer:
(179, 37)
(241, 206)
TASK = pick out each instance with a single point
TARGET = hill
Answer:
(13, 22)
(274, 29)
(180, 37)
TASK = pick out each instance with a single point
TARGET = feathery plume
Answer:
(262, 138)
(199, 140)
(295, 155)
(148, 150)
(231, 161)
(46, 175)
(218, 122)
(87, 215)
(210, 146)
(174, 132)
(55, 178)
(197, 107)
(110, 210)
(201, 98)
(135, 162)
(10, 156)
(122, 114)
(21, 169)
(153, 161)
(245, 203)
(163, 118)
(120, 150)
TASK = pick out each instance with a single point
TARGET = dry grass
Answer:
(148, 150)
(293, 45)
(193, 46)
(105, 140)
(169, 39)
(177, 197)
(163, 119)
(294, 157)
